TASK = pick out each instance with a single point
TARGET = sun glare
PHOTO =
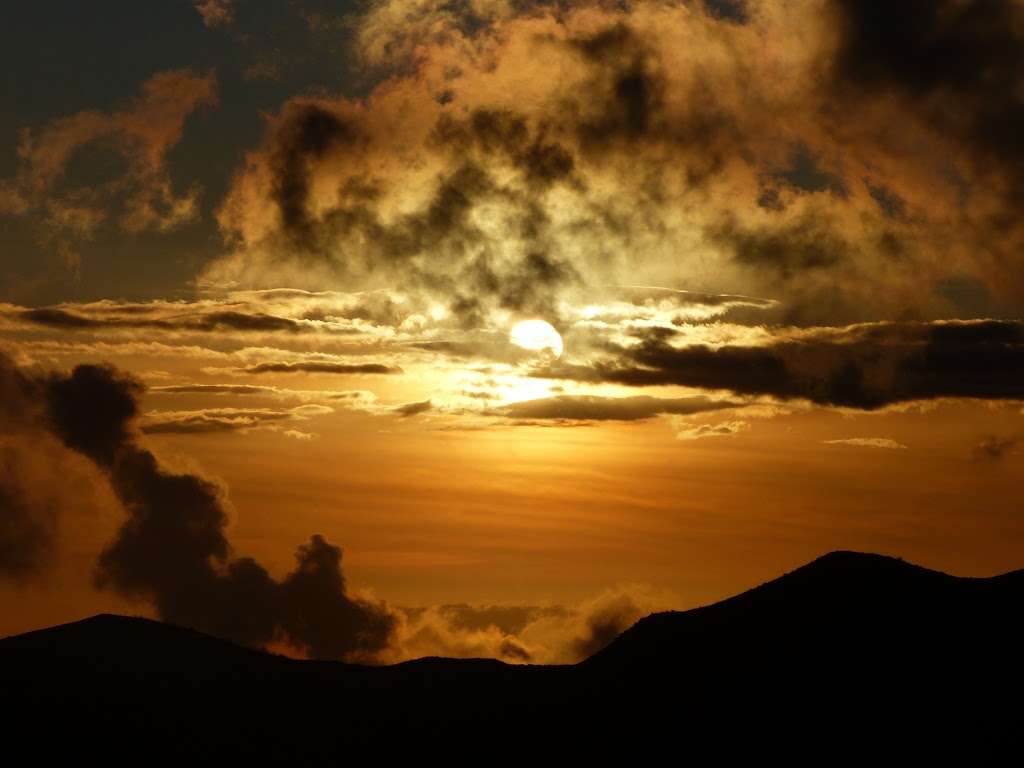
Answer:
(536, 335)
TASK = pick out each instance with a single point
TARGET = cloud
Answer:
(172, 549)
(939, 53)
(353, 396)
(54, 317)
(140, 194)
(863, 366)
(771, 147)
(215, 13)
(413, 409)
(209, 420)
(595, 408)
(552, 634)
(320, 367)
(216, 389)
(721, 429)
(994, 448)
(868, 442)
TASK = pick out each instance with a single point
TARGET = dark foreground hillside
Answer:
(852, 655)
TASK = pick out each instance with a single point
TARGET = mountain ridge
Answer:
(858, 649)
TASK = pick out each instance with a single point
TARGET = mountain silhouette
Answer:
(852, 655)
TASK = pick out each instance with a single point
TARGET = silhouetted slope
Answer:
(851, 653)
(864, 602)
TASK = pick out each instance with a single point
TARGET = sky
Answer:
(381, 329)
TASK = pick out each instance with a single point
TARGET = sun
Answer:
(536, 335)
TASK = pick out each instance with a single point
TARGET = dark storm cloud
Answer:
(172, 549)
(318, 367)
(957, 60)
(592, 408)
(864, 366)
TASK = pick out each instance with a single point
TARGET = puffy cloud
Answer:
(172, 549)
(523, 634)
(759, 143)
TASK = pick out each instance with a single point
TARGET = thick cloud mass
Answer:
(172, 549)
(866, 366)
(806, 150)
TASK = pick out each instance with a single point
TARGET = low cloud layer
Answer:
(524, 634)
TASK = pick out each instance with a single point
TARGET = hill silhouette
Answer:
(850, 655)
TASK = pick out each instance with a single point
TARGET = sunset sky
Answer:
(549, 315)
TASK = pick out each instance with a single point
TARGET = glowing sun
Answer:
(537, 335)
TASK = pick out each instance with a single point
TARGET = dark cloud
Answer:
(954, 59)
(306, 132)
(804, 173)
(735, 11)
(504, 133)
(317, 367)
(592, 408)
(626, 91)
(92, 409)
(53, 317)
(649, 294)
(864, 366)
(892, 204)
(413, 409)
(172, 548)
(214, 389)
(788, 250)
